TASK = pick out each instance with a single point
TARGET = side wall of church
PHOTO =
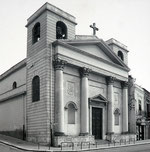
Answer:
(12, 116)
(19, 77)
(12, 103)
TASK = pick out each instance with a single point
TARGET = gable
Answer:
(98, 48)
(67, 50)
(94, 50)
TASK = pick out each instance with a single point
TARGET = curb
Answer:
(40, 150)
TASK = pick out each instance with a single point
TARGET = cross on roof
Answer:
(94, 28)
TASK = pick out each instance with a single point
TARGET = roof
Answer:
(51, 8)
(13, 69)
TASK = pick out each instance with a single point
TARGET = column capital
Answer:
(84, 72)
(110, 79)
(124, 84)
(59, 64)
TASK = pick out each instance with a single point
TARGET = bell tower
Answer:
(46, 25)
(120, 49)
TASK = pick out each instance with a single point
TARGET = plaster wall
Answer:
(19, 76)
(94, 50)
(72, 94)
(139, 96)
(12, 114)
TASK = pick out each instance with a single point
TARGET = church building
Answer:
(69, 88)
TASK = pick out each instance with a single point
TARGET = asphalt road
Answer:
(136, 148)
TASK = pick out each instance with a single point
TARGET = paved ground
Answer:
(138, 146)
(135, 148)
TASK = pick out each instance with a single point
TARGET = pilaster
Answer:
(125, 107)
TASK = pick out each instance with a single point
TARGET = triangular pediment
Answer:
(99, 98)
(99, 49)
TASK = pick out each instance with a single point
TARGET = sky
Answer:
(128, 21)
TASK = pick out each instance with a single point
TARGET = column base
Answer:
(109, 133)
(84, 134)
(59, 134)
(125, 132)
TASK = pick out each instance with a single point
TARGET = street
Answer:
(136, 148)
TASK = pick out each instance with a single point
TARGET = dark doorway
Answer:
(140, 132)
(97, 122)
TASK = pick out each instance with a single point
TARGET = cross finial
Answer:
(94, 28)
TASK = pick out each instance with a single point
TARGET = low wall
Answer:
(75, 139)
(118, 137)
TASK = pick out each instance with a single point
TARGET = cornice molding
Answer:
(124, 84)
(77, 63)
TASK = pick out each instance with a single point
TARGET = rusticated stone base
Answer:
(75, 139)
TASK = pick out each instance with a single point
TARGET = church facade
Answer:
(69, 88)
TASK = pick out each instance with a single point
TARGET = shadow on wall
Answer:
(18, 133)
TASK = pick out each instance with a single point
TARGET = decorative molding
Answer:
(59, 64)
(117, 111)
(70, 88)
(110, 79)
(84, 72)
(71, 102)
(132, 104)
(78, 63)
(124, 84)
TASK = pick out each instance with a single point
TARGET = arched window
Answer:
(36, 89)
(14, 86)
(61, 30)
(120, 55)
(36, 33)
(116, 114)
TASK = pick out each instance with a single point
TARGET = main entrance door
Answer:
(97, 122)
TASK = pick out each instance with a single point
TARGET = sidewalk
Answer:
(32, 147)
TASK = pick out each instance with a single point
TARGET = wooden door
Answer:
(97, 122)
